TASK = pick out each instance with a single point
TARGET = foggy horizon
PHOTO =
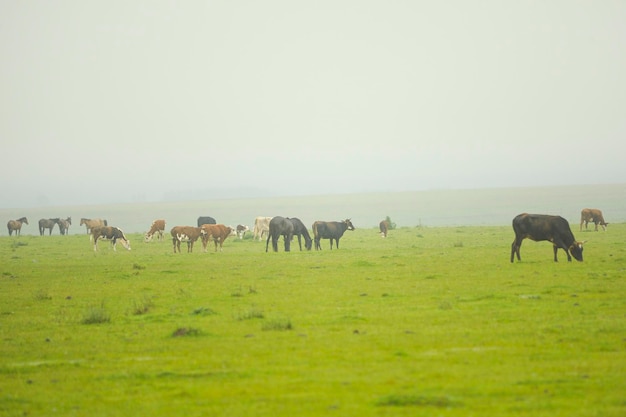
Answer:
(149, 101)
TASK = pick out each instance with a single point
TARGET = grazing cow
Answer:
(330, 230)
(158, 226)
(241, 230)
(91, 223)
(261, 227)
(592, 215)
(109, 233)
(205, 220)
(187, 234)
(16, 225)
(64, 225)
(47, 224)
(540, 227)
(288, 228)
(384, 228)
(218, 232)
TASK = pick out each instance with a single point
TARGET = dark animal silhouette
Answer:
(288, 228)
(539, 227)
(16, 225)
(64, 225)
(384, 228)
(47, 224)
(206, 220)
(330, 230)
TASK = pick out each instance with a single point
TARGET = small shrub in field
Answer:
(204, 311)
(142, 306)
(42, 295)
(186, 331)
(96, 315)
(252, 313)
(277, 324)
(458, 244)
(415, 401)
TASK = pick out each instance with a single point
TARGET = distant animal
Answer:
(64, 225)
(90, 223)
(330, 230)
(187, 234)
(205, 220)
(539, 227)
(47, 224)
(288, 228)
(261, 227)
(384, 228)
(157, 227)
(16, 226)
(592, 215)
(216, 232)
(111, 233)
(241, 230)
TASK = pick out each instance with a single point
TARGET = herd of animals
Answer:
(537, 227)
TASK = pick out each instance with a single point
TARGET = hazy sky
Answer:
(119, 101)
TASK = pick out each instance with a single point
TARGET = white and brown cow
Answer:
(261, 227)
(110, 233)
(187, 234)
(218, 232)
(157, 227)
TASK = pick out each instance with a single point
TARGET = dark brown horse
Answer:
(47, 224)
(64, 225)
(16, 225)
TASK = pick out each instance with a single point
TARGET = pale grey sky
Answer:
(120, 101)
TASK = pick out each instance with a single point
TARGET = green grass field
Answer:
(430, 321)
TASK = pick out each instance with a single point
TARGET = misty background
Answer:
(117, 101)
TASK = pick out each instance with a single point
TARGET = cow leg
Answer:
(515, 247)
(95, 244)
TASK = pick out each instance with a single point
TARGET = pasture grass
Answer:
(430, 321)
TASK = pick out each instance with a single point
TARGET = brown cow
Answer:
(187, 234)
(592, 215)
(218, 232)
(158, 226)
(111, 233)
(384, 227)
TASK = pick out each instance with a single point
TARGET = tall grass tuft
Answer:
(96, 315)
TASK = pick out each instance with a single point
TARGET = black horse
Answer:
(287, 227)
(47, 224)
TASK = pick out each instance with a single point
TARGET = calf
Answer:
(111, 233)
(158, 227)
(187, 234)
(241, 230)
(592, 215)
(218, 232)
(540, 227)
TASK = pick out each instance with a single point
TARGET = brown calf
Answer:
(187, 234)
(158, 227)
(592, 215)
(218, 232)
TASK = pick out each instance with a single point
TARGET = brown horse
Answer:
(91, 223)
(16, 225)
(64, 225)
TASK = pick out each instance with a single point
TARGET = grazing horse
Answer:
(384, 228)
(91, 223)
(287, 227)
(64, 225)
(111, 233)
(47, 224)
(16, 225)
(330, 230)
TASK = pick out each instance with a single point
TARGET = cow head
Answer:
(148, 237)
(576, 249)
(349, 224)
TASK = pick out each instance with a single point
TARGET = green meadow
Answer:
(430, 321)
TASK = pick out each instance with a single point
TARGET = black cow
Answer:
(540, 227)
(330, 230)
(287, 227)
(206, 220)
